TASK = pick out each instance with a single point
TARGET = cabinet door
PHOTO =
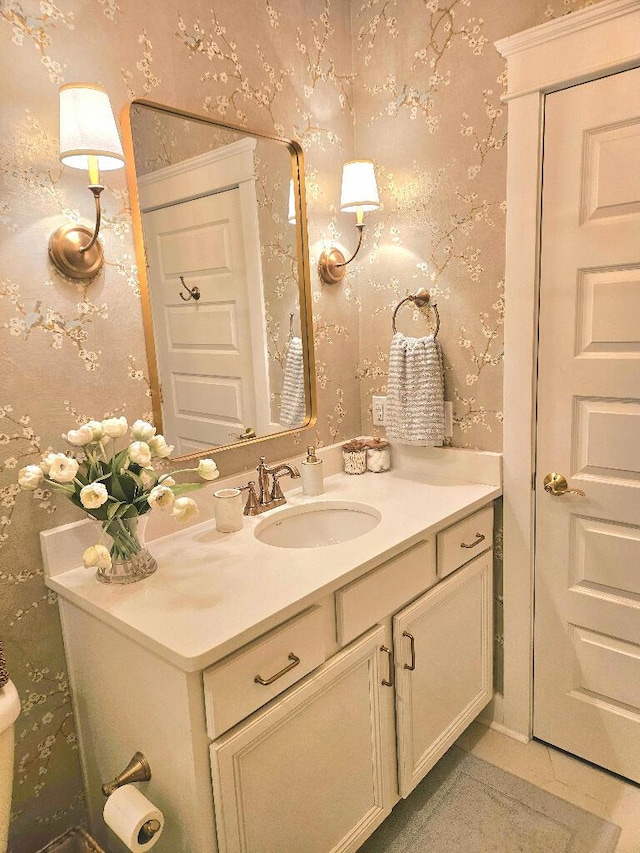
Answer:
(313, 771)
(443, 653)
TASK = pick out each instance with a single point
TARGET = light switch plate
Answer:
(379, 410)
(448, 419)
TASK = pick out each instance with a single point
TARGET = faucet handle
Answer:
(276, 491)
(251, 506)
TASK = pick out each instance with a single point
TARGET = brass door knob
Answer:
(556, 485)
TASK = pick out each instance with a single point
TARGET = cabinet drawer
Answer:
(464, 541)
(281, 658)
(361, 604)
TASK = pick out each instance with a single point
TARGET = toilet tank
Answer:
(9, 710)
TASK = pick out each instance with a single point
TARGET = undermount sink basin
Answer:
(318, 524)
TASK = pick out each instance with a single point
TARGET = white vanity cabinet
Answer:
(323, 764)
(286, 699)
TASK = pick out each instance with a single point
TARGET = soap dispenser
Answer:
(312, 476)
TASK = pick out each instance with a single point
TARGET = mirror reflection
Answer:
(225, 295)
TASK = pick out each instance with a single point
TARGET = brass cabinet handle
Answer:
(480, 537)
(411, 666)
(295, 660)
(390, 682)
(556, 485)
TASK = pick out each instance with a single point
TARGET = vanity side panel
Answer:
(127, 699)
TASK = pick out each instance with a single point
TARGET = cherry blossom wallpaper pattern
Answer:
(69, 351)
(413, 84)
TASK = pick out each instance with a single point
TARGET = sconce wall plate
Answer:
(331, 266)
(64, 251)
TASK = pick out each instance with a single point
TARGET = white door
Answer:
(444, 667)
(204, 346)
(587, 588)
(313, 772)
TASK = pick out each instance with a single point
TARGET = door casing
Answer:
(585, 45)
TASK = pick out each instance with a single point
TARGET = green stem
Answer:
(125, 543)
(60, 487)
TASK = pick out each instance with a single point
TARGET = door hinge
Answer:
(533, 482)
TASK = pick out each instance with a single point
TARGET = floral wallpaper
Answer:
(412, 84)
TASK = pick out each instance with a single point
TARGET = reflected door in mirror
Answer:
(210, 391)
(215, 209)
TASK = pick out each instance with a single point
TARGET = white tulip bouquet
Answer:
(116, 487)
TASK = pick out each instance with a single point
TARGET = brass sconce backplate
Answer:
(331, 266)
(64, 249)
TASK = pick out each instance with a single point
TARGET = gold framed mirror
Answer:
(219, 222)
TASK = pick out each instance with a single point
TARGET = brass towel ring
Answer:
(421, 298)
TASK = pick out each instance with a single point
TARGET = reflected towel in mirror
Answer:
(292, 404)
(415, 391)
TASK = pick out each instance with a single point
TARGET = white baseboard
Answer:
(503, 730)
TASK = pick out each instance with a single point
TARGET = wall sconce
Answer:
(359, 195)
(89, 139)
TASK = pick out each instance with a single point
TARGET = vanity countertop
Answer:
(214, 592)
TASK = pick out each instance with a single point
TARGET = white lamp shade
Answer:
(88, 128)
(359, 188)
(292, 204)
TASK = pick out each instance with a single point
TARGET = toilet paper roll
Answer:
(126, 812)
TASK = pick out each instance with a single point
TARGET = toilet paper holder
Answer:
(137, 770)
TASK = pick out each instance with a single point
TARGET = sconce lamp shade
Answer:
(292, 204)
(359, 188)
(88, 128)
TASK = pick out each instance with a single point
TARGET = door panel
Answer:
(204, 346)
(446, 636)
(608, 190)
(587, 588)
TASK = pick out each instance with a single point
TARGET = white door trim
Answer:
(547, 58)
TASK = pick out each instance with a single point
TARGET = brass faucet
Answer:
(269, 496)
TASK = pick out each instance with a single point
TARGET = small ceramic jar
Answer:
(354, 457)
(227, 508)
(378, 455)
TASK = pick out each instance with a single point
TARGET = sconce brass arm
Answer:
(360, 227)
(331, 266)
(96, 189)
(74, 249)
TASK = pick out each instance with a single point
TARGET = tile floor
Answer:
(569, 778)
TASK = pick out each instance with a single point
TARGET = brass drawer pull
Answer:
(388, 683)
(295, 660)
(480, 537)
(411, 666)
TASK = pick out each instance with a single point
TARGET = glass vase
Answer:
(130, 560)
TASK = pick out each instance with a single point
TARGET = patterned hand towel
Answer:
(415, 391)
(292, 405)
